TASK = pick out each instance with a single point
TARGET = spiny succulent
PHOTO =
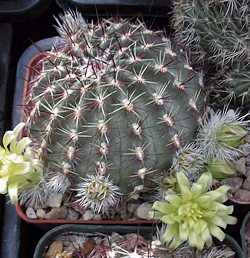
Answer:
(222, 133)
(231, 85)
(112, 100)
(189, 159)
(218, 29)
(220, 169)
(217, 32)
(97, 193)
(19, 169)
(194, 213)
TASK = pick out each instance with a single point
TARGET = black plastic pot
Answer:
(22, 9)
(159, 8)
(5, 49)
(10, 232)
(242, 234)
(146, 231)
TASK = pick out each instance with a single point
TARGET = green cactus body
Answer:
(219, 28)
(115, 100)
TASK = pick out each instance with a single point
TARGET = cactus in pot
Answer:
(108, 108)
(217, 32)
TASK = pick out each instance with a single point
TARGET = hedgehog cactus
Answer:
(218, 29)
(114, 100)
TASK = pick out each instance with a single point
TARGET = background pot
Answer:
(144, 230)
(243, 235)
(22, 9)
(240, 211)
(159, 8)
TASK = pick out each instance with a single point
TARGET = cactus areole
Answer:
(110, 106)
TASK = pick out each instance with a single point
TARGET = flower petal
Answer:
(22, 144)
(13, 192)
(183, 182)
(17, 130)
(217, 232)
(3, 185)
(8, 138)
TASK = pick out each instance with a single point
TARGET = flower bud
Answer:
(221, 169)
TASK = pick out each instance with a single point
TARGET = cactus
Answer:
(112, 100)
(218, 30)
(232, 84)
(217, 33)
(221, 135)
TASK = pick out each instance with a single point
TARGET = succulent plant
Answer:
(222, 133)
(217, 32)
(194, 214)
(218, 29)
(220, 169)
(232, 84)
(189, 159)
(19, 169)
(111, 100)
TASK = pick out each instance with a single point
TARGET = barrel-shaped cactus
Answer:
(109, 106)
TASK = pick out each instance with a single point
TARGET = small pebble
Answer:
(246, 184)
(41, 214)
(240, 165)
(132, 207)
(143, 211)
(57, 213)
(72, 214)
(97, 217)
(87, 247)
(242, 195)
(88, 215)
(56, 248)
(55, 200)
(234, 182)
(31, 214)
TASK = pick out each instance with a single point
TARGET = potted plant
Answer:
(120, 241)
(98, 176)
